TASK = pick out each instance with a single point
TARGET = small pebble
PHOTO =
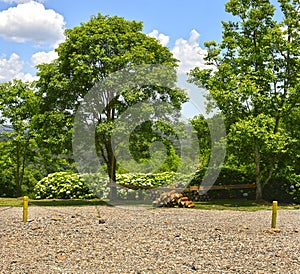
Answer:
(148, 241)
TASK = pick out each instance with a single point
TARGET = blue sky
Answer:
(30, 30)
(174, 18)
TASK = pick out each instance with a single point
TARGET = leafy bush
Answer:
(282, 188)
(9, 187)
(228, 176)
(285, 189)
(67, 185)
(63, 185)
(148, 181)
(137, 184)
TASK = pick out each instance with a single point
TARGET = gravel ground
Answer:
(74, 240)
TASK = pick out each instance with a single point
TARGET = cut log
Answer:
(173, 199)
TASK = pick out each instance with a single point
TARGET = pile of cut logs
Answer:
(173, 199)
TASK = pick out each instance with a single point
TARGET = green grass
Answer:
(4, 202)
(236, 204)
(245, 205)
(11, 202)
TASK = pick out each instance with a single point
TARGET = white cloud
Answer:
(164, 39)
(32, 22)
(9, 68)
(25, 77)
(189, 53)
(43, 57)
(12, 68)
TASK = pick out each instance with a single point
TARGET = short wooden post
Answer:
(25, 208)
(274, 214)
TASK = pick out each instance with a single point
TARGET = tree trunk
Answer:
(113, 190)
(112, 176)
(17, 171)
(259, 191)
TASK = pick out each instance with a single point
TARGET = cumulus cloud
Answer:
(164, 39)
(9, 68)
(26, 77)
(43, 57)
(189, 53)
(12, 68)
(30, 21)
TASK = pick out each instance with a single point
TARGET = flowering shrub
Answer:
(68, 185)
(63, 185)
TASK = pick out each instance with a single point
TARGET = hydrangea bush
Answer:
(68, 185)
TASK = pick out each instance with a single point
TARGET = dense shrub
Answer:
(228, 176)
(284, 189)
(148, 181)
(145, 181)
(9, 187)
(67, 185)
(62, 185)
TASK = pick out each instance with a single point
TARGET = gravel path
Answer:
(72, 240)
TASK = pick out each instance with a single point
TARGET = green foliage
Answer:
(255, 82)
(229, 175)
(164, 159)
(24, 158)
(284, 189)
(258, 132)
(69, 185)
(18, 103)
(91, 53)
(62, 185)
(200, 126)
(148, 181)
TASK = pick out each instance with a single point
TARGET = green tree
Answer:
(144, 136)
(91, 53)
(256, 80)
(18, 104)
(200, 125)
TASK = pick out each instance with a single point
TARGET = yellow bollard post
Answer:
(274, 214)
(25, 208)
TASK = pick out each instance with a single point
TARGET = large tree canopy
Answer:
(256, 80)
(91, 53)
